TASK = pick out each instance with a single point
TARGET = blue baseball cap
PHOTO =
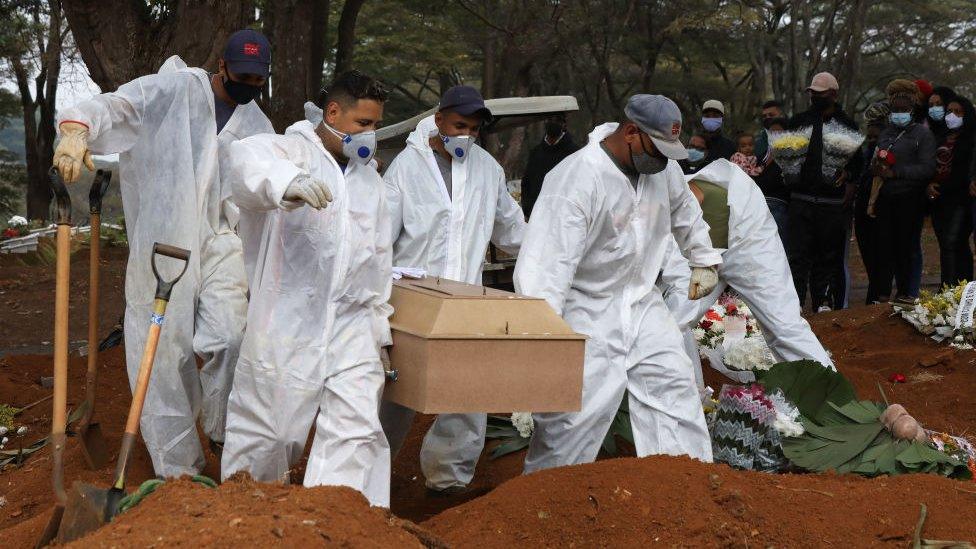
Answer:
(465, 101)
(248, 52)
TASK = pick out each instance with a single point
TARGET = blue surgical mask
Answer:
(695, 155)
(953, 121)
(357, 147)
(900, 119)
(457, 145)
(937, 113)
(711, 124)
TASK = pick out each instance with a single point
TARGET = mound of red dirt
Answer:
(681, 502)
(245, 513)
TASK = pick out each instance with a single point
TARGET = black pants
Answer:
(899, 231)
(951, 219)
(866, 231)
(817, 240)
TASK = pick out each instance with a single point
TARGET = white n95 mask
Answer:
(457, 145)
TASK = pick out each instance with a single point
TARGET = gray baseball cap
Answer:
(660, 119)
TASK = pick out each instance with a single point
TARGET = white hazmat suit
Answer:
(447, 235)
(173, 168)
(754, 264)
(593, 249)
(317, 319)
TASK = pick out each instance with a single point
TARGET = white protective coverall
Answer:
(317, 319)
(755, 265)
(593, 250)
(175, 190)
(447, 235)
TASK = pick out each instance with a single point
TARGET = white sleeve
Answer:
(263, 166)
(394, 200)
(115, 119)
(384, 249)
(509, 220)
(687, 224)
(551, 250)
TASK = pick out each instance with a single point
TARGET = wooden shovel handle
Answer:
(139, 394)
(93, 281)
(59, 415)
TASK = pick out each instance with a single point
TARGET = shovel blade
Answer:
(51, 530)
(84, 512)
(93, 446)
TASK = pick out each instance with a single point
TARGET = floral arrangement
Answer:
(16, 226)
(934, 314)
(957, 447)
(749, 425)
(790, 148)
(712, 328)
(749, 354)
(839, 145)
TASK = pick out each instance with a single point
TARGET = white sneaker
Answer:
(824, 309)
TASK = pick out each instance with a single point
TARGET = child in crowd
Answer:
(745, 158)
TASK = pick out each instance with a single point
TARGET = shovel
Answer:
(59, 415)
(93, 443)
(89, 507)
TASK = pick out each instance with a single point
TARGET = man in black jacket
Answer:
(820, 209)
(719, 146)
(556, 145)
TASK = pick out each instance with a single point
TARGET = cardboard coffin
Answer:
(464, 348)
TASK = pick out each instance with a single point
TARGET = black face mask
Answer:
(553, 129)
(240, 92)
(821, 103)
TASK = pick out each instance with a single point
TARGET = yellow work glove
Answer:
(703, 281)
(72, 151)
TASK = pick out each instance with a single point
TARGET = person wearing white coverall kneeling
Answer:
(753, 263)
(593, 250)
(172, 131)
(318, 253)
(448, 199)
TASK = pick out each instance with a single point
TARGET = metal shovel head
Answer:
(93, 446)
(51, 530)
(84, 512)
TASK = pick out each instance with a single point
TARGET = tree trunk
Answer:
(133, 42)
(346, 40)
(39, 131)
(292, 26)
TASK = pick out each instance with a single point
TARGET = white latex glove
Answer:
(309, 190)
(703, 281)
(72, 151)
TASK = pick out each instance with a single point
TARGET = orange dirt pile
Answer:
(245, 513)
(681, 502)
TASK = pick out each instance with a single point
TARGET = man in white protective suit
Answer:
(448, 199)
(754, 264)
(318, 250)
(593, 250)
(173, 130)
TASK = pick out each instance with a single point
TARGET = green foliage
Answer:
(844, 434)
(813, 389)
(620, 426)
(860, 444)
(501, 428)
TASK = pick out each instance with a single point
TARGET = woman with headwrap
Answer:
(905, 160)
(955, 122)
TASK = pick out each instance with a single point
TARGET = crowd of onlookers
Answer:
(916, 160)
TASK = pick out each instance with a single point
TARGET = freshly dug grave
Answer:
(245, 513)
(671, 501)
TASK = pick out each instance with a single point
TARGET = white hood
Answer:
(600, 132)
(420, 137)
